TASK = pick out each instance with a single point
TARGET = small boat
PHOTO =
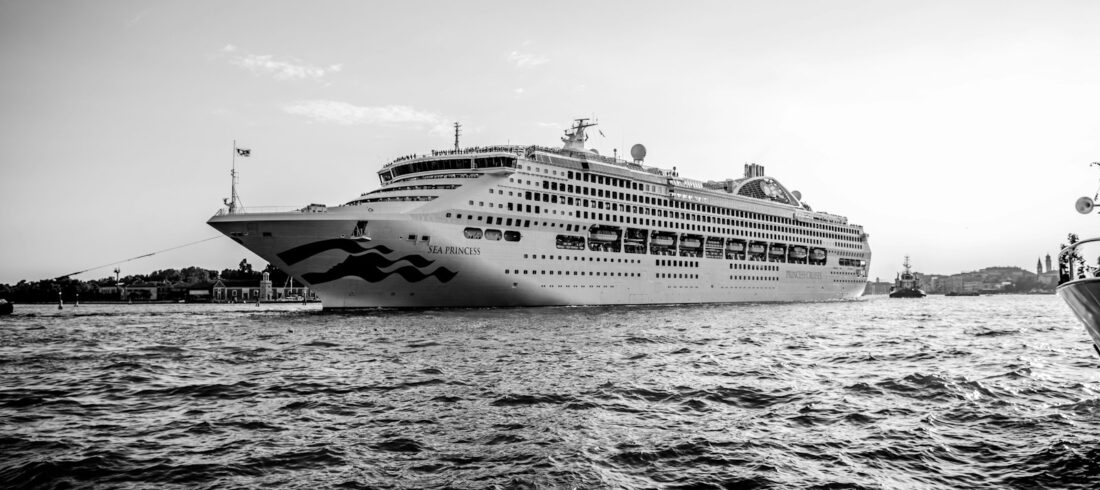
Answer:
(6, 308)
(735, 246)
(907, 285)
(664, 241)
(690, 243)
(818, 254)
(604, 235)
(757, 248)
(963, 293)
(799, 252)
(1078, 282)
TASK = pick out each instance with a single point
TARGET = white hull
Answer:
(501, 273)
(1083, 297)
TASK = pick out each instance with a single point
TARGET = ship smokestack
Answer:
(753, 170)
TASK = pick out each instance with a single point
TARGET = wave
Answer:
(369, 268)
(302, 252)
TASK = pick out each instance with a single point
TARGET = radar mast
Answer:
(574, 137)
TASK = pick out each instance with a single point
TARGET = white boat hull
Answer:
(1083, 297)
(440, 267)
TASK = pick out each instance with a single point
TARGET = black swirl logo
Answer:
(366, 263)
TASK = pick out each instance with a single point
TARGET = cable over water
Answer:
(177, 247)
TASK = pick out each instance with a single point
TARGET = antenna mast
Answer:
(234, 201)
(457, 132)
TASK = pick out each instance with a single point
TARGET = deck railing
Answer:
(271, 209)
(1073, 266)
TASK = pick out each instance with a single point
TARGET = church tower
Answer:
(1048, 262)
(1038, 267)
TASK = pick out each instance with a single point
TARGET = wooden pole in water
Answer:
(59, 300)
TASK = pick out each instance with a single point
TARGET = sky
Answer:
(957, 132)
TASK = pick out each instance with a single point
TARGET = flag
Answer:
(244, 152)
(601, 133)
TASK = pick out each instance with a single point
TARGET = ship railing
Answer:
(1072, 264)
(517, 150)
(269, 209)
(592, 157)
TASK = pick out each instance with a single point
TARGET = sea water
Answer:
(975, 392)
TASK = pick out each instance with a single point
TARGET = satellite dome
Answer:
(637, 152)
(797, 195)
(1084, 205)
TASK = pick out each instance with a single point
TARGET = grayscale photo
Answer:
(494, 245)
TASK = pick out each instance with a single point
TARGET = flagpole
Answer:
(233, 185)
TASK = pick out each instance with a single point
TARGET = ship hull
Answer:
(410, 261)
(1083, 297)
(908, 293)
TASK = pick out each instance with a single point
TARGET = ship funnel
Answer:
(753, 170)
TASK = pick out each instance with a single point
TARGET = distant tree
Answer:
(278, 277)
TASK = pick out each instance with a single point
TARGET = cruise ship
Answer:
(541, 226)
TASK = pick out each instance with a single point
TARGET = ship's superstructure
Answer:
(532, 226)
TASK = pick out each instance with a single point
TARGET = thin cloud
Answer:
(526, 60)
(280, 69)
(343, 113)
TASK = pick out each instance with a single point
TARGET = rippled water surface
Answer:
(987, 392)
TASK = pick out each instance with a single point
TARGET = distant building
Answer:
(877, 287)
(245, 291)
(139, 291)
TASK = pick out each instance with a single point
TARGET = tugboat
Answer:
(906, 286)
(1080, 288)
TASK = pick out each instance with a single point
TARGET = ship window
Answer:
(412, 237)
(492, 234)
(512, 236)
(473, 233)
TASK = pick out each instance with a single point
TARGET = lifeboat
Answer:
(690, 242)
(757, 248)
(735, 246)
(799, 252)
(714, 242)
(604, 235)
(664, 241)
(778, 249)
(818, 254)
